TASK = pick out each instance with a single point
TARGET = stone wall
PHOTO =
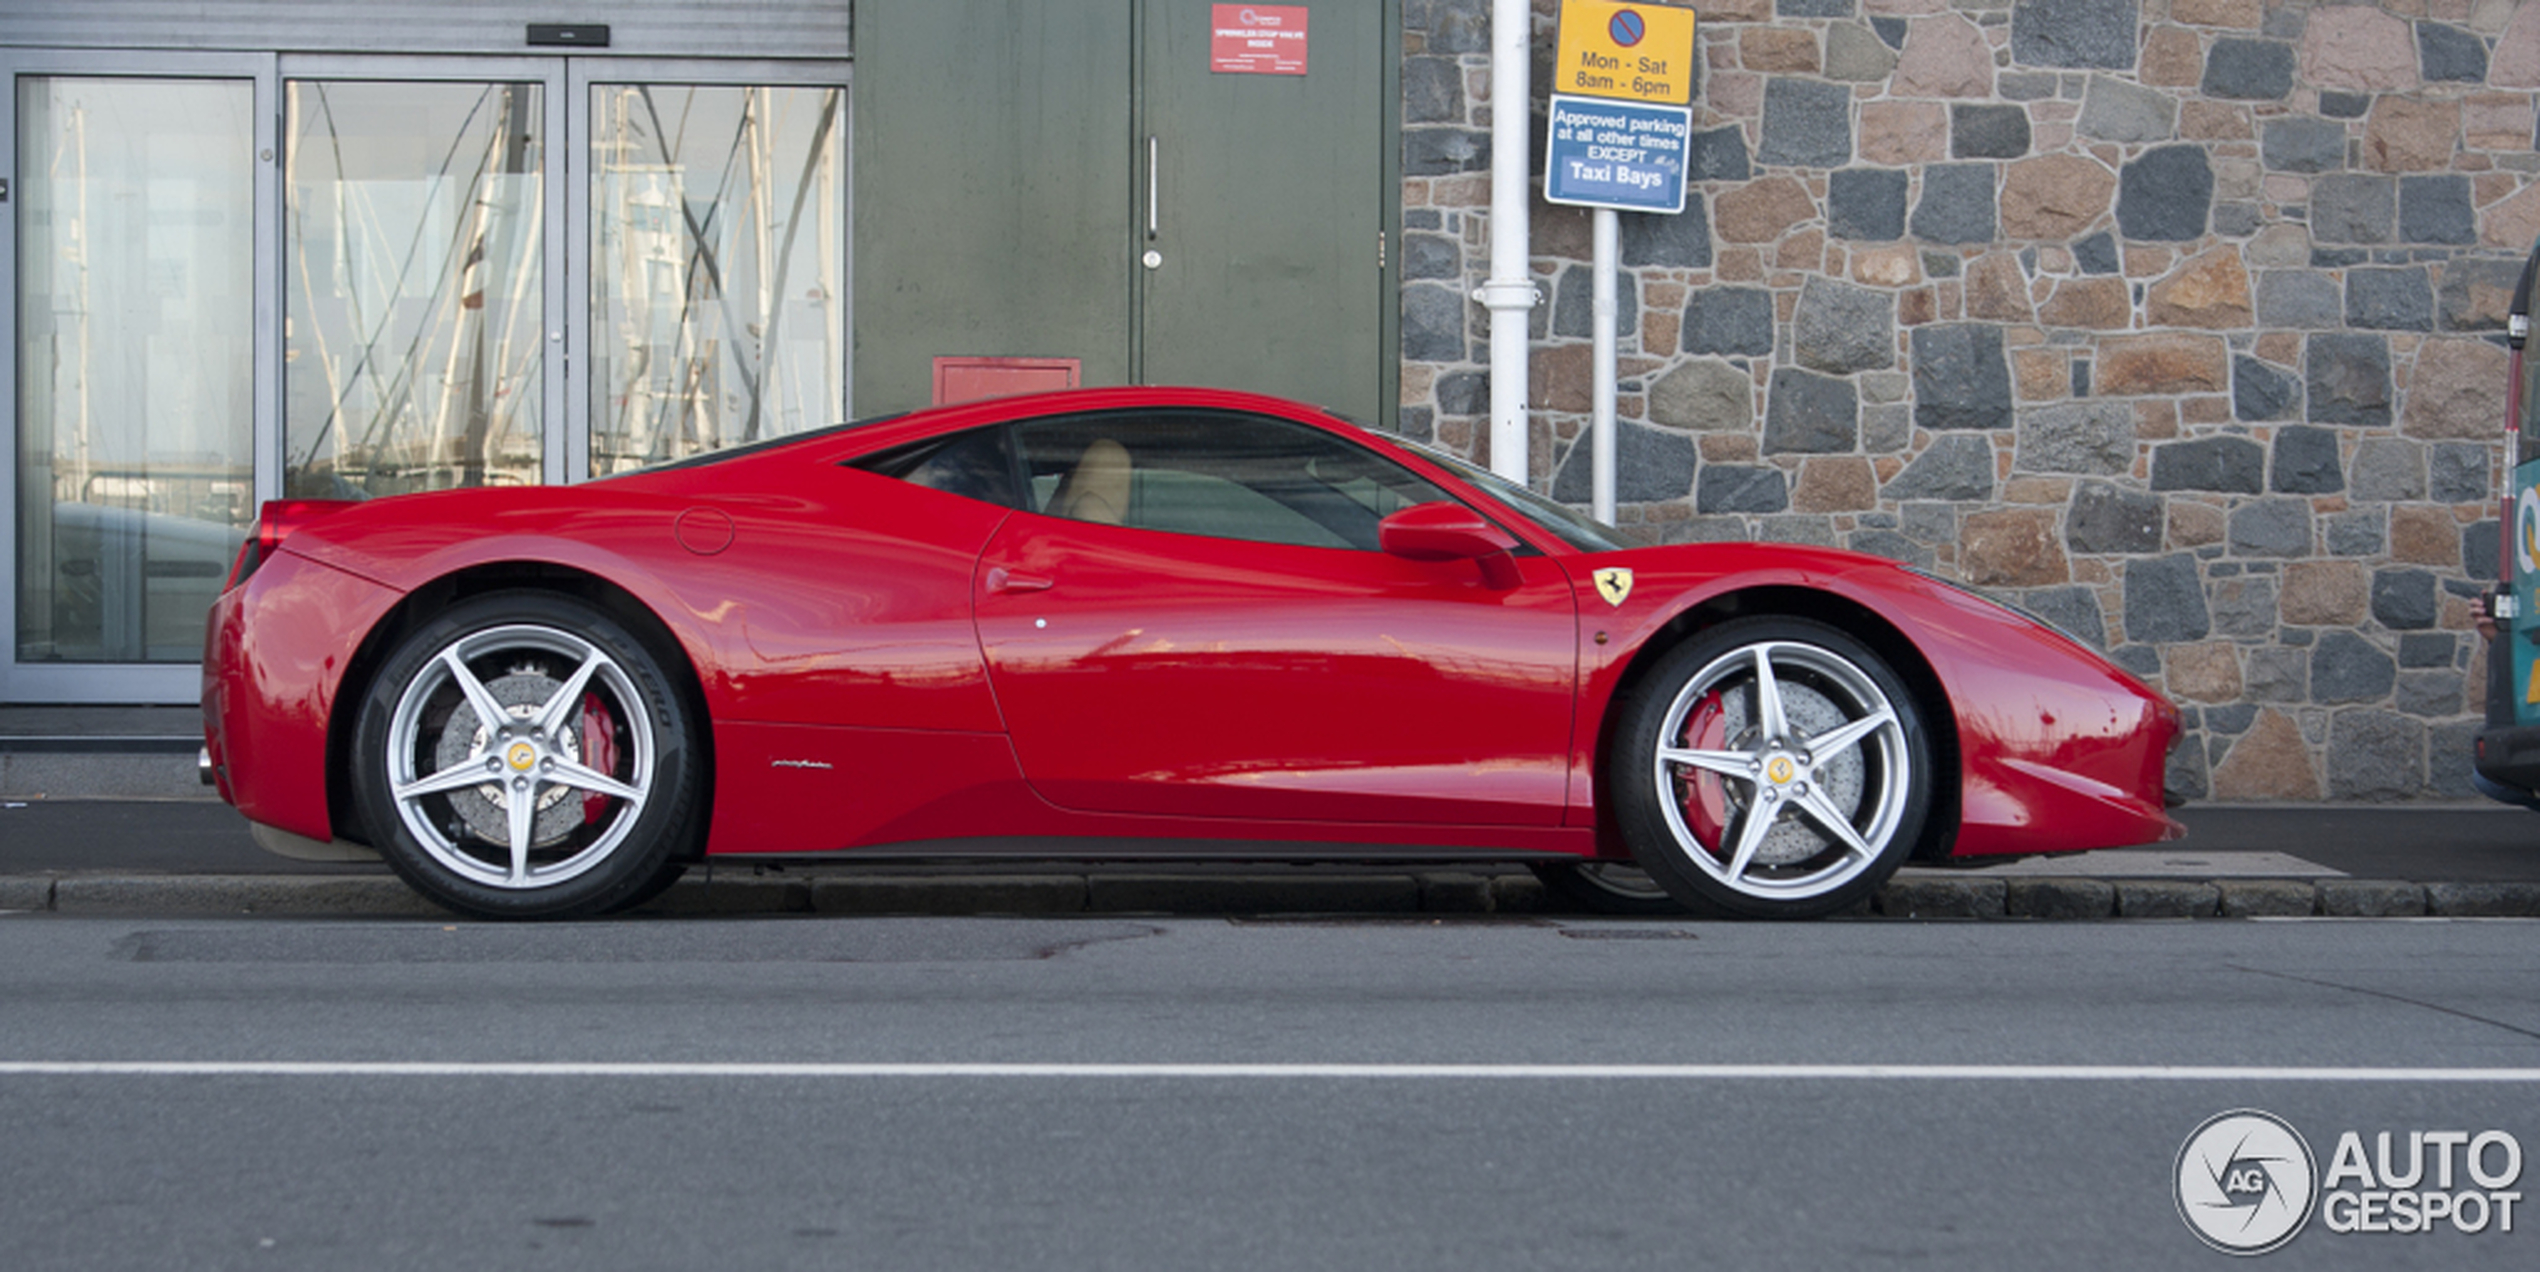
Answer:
(2175, 321)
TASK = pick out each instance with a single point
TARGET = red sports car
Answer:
(1132, 622)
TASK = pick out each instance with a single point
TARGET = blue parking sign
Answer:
(1629, 156)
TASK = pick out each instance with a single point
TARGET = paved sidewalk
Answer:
(172, 858)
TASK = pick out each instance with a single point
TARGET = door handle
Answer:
(1001, 579)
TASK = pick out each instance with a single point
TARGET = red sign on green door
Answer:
(1256, 39)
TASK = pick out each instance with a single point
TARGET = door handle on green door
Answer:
(1153, 259)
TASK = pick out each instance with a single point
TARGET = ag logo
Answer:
(2245, 1182)
(1614, 584)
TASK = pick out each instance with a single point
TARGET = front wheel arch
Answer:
(1940, 721)
(423, 603)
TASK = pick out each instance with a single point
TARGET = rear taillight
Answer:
(274, 523)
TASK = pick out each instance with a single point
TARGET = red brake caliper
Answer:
(1700, 792)
(599, 752)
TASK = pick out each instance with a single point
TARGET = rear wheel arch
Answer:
(1940, 828)
(432, 598)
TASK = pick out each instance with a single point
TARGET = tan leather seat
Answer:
(1098, 488)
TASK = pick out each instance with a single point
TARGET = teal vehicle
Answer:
(2507, 763)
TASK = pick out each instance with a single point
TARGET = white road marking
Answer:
(1456, 1072)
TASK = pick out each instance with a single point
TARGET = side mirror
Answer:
(1450, 532)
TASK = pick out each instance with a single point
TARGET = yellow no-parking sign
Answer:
(1629, 52)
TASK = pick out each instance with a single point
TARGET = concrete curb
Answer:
(238, 894)
(1913, 896)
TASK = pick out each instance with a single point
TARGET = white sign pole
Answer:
(1510, 292)
(1601, 423)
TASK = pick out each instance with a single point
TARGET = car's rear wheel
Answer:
(522, 755)
(1607, 887)
(1771, 767)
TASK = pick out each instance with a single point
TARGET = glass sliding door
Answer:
(417, 317)
(233, 277)
(135, 338)
(717, 265)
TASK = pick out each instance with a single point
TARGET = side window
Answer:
(974, 465)
(1216, 473)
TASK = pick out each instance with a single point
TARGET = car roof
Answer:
(935, 421)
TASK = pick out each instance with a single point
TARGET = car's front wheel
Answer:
(522, 755)
(1771, 767)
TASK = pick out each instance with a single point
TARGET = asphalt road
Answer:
(2471, 843)
(950, 1093)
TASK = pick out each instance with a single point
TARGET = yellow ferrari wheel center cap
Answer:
(1780, 769)
(521, 756)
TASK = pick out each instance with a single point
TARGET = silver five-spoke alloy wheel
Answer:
(1784, 769)
(523, 755)
(505, 756)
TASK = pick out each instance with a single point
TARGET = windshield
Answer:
(1568, 524)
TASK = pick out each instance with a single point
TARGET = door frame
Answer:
(85, 683)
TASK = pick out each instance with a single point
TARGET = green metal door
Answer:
(1262, 257)
(1019, 162)
(991, 197)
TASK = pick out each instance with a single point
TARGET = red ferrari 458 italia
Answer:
(1133, 622)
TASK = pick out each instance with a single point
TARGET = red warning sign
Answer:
(1256, 39)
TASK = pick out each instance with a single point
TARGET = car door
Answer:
(1190, 616)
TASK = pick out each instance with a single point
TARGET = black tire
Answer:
(566, 679)
(1606, 887)
(1843, 790)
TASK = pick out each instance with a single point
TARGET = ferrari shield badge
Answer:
(1614, 584)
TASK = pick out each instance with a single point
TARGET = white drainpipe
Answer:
(1607, 230)
(1510, 292)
